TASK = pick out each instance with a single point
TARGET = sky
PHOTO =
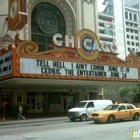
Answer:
(100, 6)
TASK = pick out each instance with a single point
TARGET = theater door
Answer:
(67, 102)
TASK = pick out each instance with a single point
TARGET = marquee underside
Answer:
(56, 83)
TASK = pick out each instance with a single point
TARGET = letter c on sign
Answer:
(58, 43)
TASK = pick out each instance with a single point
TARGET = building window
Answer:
(136, 37)
(137, 44)
(128, 49)
(132, 37)
(19, 99)
(132, 43)
(127, 30)
(127, 36)
(135, 17)
(131, 30)
(128, 42)
(135, 25)
(127, 23)
(130, 16)
(136, 31)
(133, 49)
(126, 15)
(46, 20)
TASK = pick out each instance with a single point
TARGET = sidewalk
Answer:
(33, 119)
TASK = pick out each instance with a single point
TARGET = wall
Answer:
(89, 15)
(119, 28)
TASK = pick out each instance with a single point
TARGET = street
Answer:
(67, 130)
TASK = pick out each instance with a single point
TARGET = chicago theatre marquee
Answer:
(74, 69)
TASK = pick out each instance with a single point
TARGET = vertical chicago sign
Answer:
(17, 15)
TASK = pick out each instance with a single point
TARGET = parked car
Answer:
(116, 112)
(84, 108)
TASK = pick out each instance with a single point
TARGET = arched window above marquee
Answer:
(46, 20)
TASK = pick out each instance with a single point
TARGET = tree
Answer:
(128, 90)
(110, 90)
(123, 91)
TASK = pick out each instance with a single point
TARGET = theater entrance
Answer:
(67, 102)
(35, 102)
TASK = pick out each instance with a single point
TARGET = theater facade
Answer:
(76, 68)
(57, 59)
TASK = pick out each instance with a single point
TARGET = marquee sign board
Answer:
(6, 64)
(62, 68)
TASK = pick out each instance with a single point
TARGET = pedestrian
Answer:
(113, 101)
(20, 108)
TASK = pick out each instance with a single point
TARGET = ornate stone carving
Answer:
(73, 3)
(90, 1)
(5, 41)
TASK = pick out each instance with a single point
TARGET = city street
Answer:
(63, 129)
